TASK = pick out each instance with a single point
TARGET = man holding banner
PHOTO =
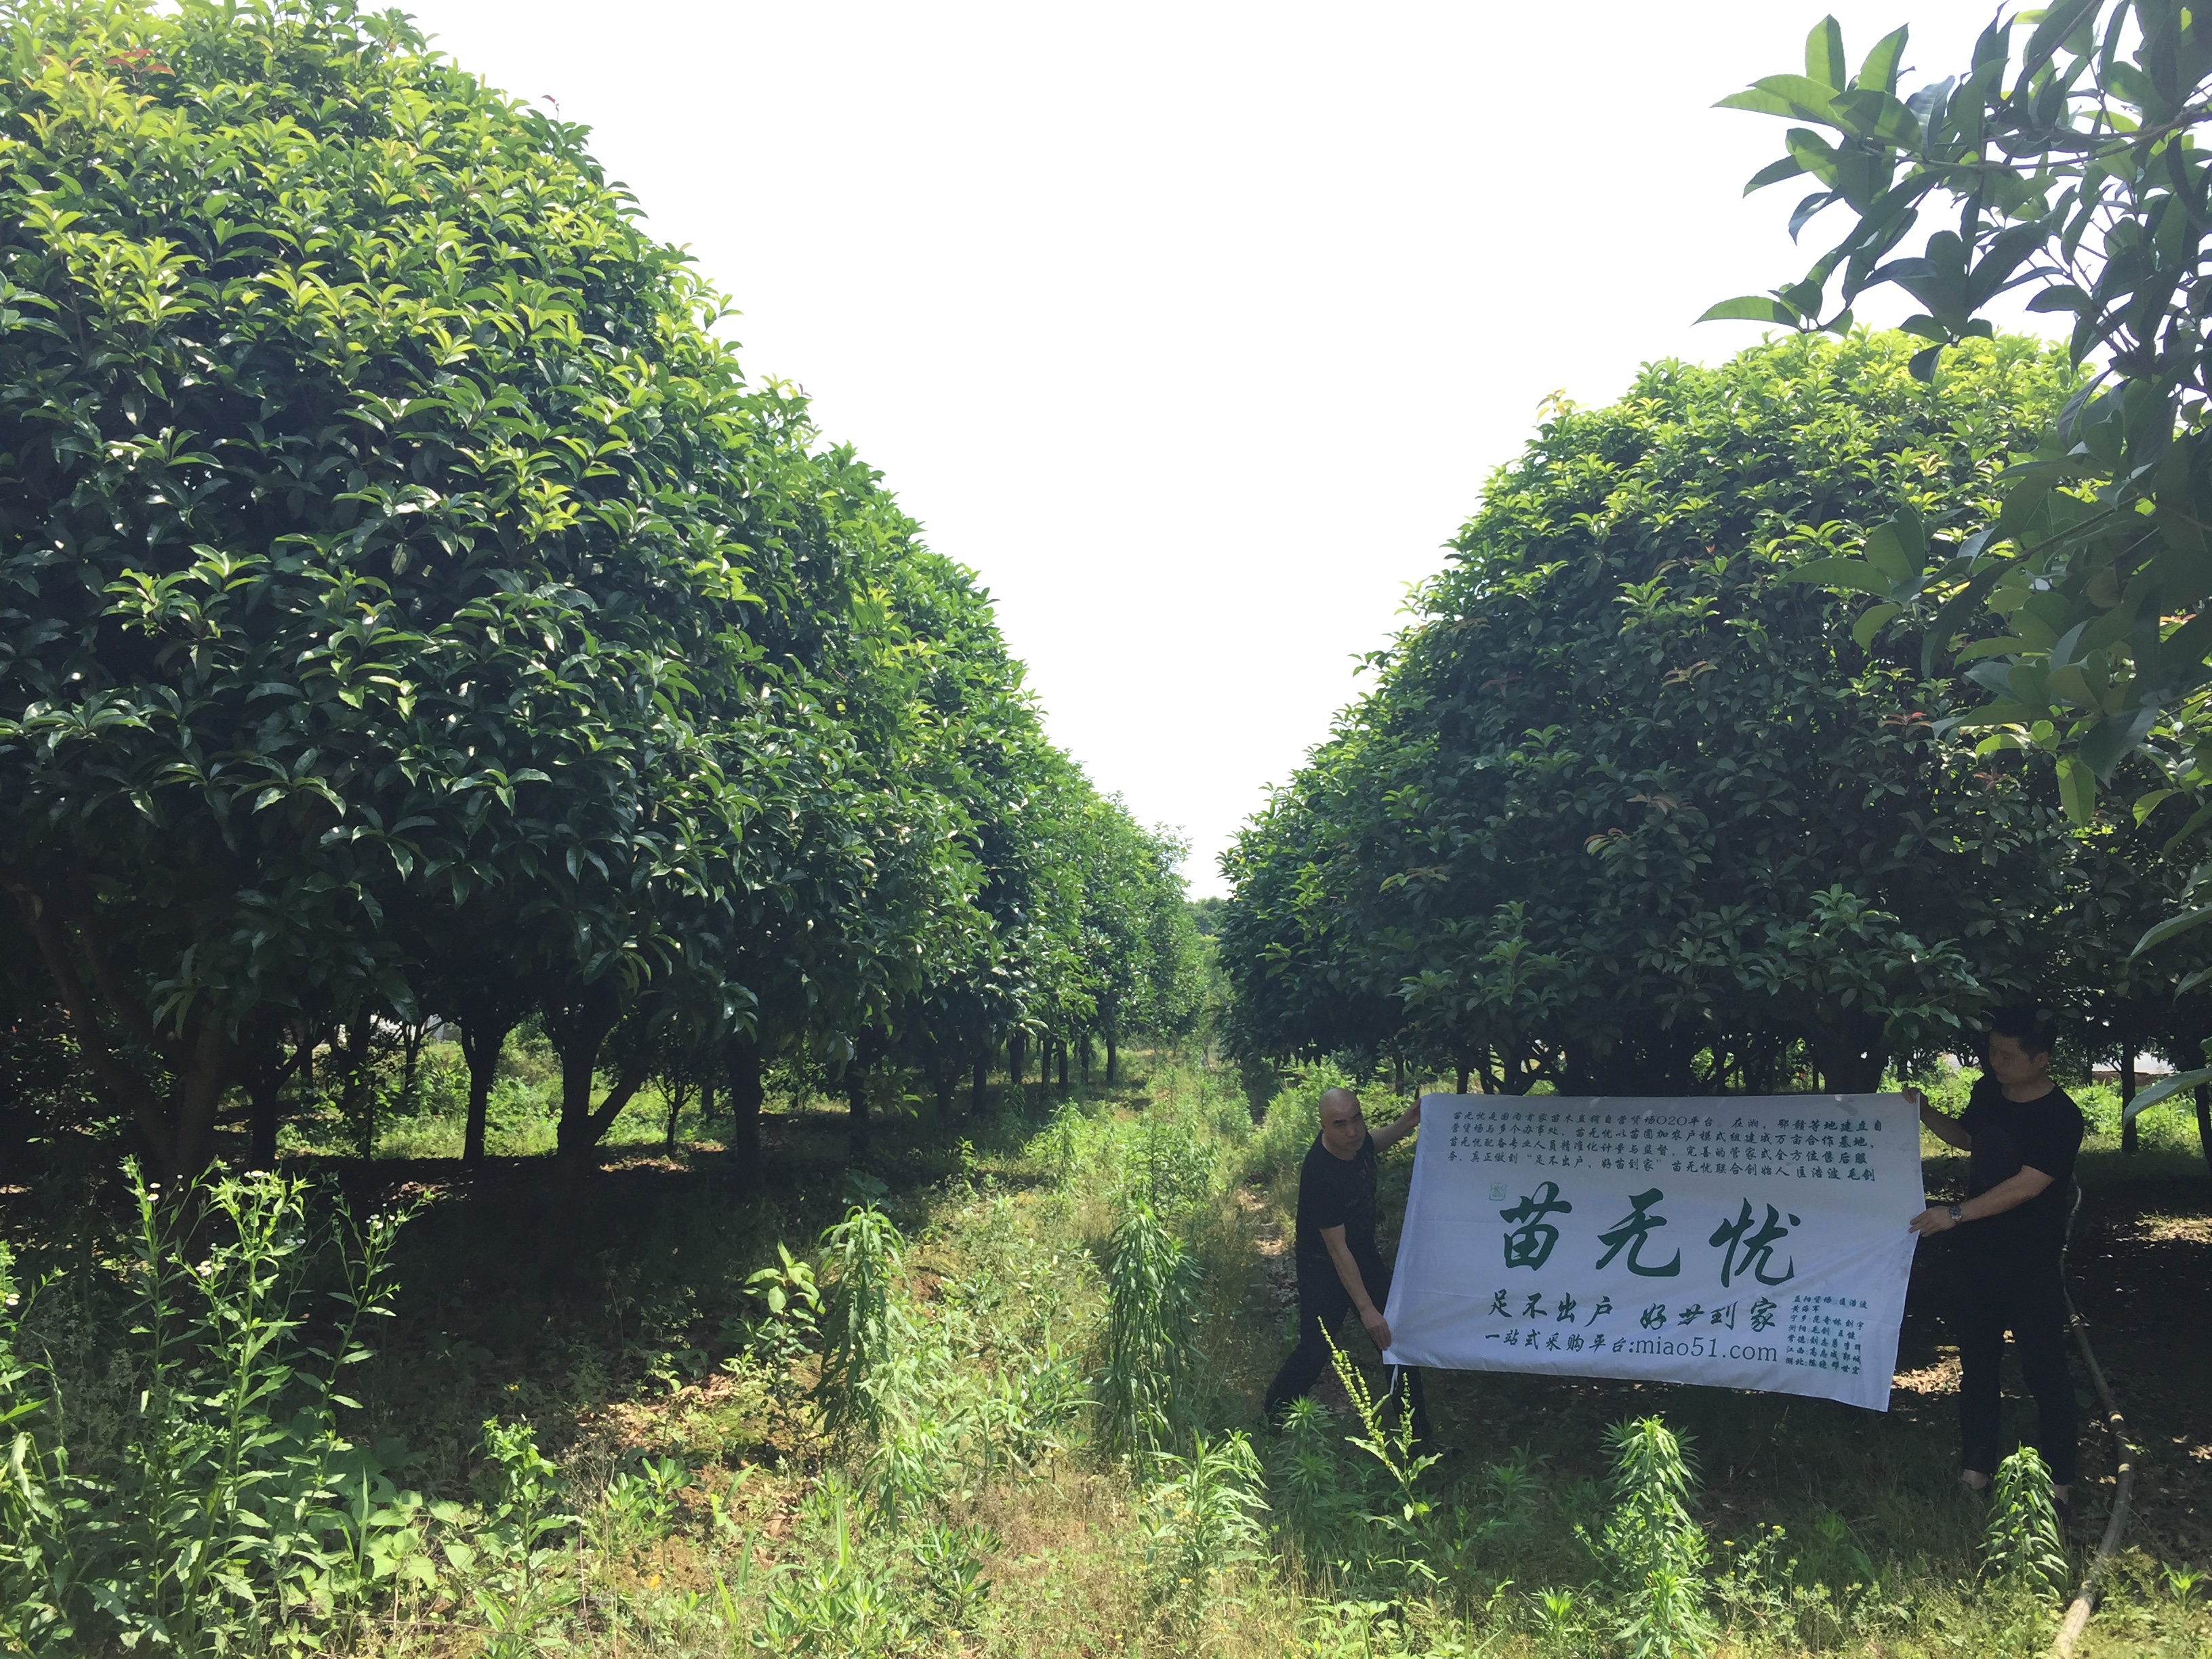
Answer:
(1742, 1242)
(1340, 1269)
(2021, 1132)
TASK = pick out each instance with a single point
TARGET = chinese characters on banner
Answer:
(1747, 1243)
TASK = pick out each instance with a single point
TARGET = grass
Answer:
(981, 1506)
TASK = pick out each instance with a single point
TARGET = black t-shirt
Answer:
(2010, 1135)
(1337, 1191)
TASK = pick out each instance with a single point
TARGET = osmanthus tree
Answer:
(1138, 959)
(383, 536)
(2070, 150)
(1629, 811)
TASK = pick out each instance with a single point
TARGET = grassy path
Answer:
(985, 1516)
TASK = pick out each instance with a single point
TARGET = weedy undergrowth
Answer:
(863, 1324)
(517, 1552)
(1151, 1291)
(1201, 1519)
(1654, 1553)
(230, 1502)
(2019, 1542)
(1391, 1444)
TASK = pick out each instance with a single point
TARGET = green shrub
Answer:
(229, 1503)
(2020, 1544)
(1654, 1553)
(1201, 1519)
(1152, 1287)
(863, 1324)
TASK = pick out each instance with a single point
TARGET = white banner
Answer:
(1741, 1242)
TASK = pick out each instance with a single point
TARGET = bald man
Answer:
(1339, 1266)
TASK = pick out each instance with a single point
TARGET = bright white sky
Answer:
(1195, 328)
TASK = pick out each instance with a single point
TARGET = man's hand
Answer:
(1391, 1133)
(1945, 1128)
(1377, 1327)
(1936, 1218)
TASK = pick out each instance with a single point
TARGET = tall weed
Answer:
(1654, 1550)
(231, 1503)
(1202, 1518)
(1151, 1291)
(864, 1325)
(2020, 1544)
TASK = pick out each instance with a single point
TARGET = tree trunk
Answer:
(1112, 1060)
(1017, 1054)
(980, 1082)
(2131, 1136)
(352, 1048)
(482, 1039)
(199, 1091)
(2204, 1123)
(262, 1097)
(1083, 1056)
(741, 1058)
(676, 1094)
(178, 1132)
(1464, 1068)
(412, 1037)
(579, 1029)
(856, 1103)
(1061, 1047)
(1847, 1055)
(264, 1077)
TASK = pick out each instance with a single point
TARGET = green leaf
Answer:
(1879, 118)
(1757, 102)
(2172, 928)
(1850, 575)
(2077, 790)
(1879, 72)
(1751, 308)
(2148, 804)
(2115, 738)
(1773, 173)
(1871, 622)
(1825, 63)
(1884, 550)
(2164, 1089)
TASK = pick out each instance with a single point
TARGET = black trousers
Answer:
(1322, 1303)
(2019, 1291)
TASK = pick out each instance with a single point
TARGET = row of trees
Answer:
(408, 608)
(1626, 810)
(1632, 811)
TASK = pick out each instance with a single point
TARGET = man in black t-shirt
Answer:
(1339, 1266)
(2021, 1132)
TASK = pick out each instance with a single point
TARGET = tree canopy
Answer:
(408, 605)
(1629, 811)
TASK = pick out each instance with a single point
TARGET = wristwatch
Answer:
(1955, 1214)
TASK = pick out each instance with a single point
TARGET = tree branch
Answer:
(127, 1086)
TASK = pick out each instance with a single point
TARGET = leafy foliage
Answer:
(2070, 157)
(1632, 811)
(2019, 1541)
(230, 1505)
(1151, 1285)
(1655, 1549)
(409, 607)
